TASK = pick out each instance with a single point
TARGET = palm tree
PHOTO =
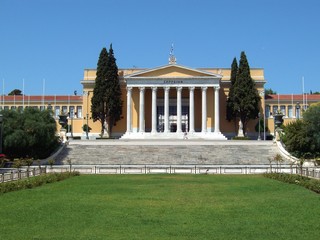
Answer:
(279, 159)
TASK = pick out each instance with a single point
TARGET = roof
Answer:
(172, 70)
(293, 97)
(40, 98)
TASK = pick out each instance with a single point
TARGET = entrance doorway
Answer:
(173, 118)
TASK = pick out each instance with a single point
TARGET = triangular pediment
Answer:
(172, 71)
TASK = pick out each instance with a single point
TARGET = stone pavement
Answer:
(167, 152)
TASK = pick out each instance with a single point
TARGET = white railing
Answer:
(14, 174)
(172, 169)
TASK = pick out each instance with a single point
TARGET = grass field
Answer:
(162, 207)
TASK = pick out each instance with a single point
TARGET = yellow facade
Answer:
(174, 72)
(170, 75)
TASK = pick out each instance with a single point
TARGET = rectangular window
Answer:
(173, 110)
(57, 111)
(42, 108)
(6, 107)
(79, 112)
(298, 110)
(185, 110)
(13, 107)
(160, 110)
(267, 111)
(71, 111)
(274, 110)
(283, 110)
(290, 113)
(65, 110)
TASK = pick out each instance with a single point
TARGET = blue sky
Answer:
(53, 41)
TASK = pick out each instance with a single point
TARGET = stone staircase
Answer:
(168, 152)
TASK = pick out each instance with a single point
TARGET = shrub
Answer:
(311, 184)
(35, 181)
(240, 138)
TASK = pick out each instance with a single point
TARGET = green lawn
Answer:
(161, 207)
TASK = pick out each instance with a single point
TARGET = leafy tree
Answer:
(15, 92)
(98, 100)
(295, 139)
(246, 98)
(30, 133)
(302, 137)
(312, 127)
(269, 91)
(113, 93)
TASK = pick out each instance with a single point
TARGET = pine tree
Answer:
(246, 98)
(113, 92)
(98, 101)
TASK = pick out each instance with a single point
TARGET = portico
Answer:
(173, 102)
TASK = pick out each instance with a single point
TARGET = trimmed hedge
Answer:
(311, 184)
(36, 181)
(240, 138)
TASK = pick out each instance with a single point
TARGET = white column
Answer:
(204, 110)
(141, 110)
(154, 110)
(166, 109)
(216, 110)
(129, 120)
(191, 109)
(179, 89)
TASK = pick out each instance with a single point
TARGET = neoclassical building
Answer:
(173, 102)
(168, 102)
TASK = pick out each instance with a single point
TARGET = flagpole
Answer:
(43, 90)
(303, 99)
(306, 100)
(3, 91)
(293, 108)
(22, 93)
(55, 103)
(264, 116)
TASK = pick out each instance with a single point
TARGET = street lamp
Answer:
(1, 123)
(87, 126)
(298, 110)
(71, 123)
(87, 93)
(259, 138)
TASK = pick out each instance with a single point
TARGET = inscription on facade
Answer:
(172, 81)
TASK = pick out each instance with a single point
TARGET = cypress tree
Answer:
(113, 92)
(98, 101)
(246, 98)
(231, 112)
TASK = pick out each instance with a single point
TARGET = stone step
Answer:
(168, 152)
